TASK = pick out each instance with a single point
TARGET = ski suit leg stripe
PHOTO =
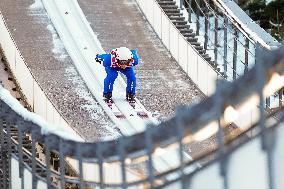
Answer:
(131, 79)
(109, 80)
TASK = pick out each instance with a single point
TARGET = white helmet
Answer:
(123, 53)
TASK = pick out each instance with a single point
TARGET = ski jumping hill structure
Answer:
(236, 64)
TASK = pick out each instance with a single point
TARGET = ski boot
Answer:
(107, 98)
(130, 97)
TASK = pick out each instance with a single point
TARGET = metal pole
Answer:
(267, 139)
(220, 136)
(4, 155)
(79, 156)
(181, 158)
(101, 167)
(9, 157)
(280, 93)
(62, 164)
(270, 143)
(20, 151)
(189, 10)
(225, 45)
(34, 181)
(181, 4)
(235, 54)
(246, 55)
(197, 17)
(148, 139)
(206, 31)
(267, 103)
(47, 161)
(121, 153)
(216, 39)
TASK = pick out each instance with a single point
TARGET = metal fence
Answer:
(32, 159)
(230, 37)
(226, 32)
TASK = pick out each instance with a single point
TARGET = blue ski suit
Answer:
(112, 73)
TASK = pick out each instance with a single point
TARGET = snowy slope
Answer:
(82, 46)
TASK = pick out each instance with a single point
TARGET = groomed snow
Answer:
(82, 45)
(93, 112)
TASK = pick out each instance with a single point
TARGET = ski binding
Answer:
(139, 111)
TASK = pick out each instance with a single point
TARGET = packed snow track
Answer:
(82, 46)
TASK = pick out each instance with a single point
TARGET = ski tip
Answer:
(119, 116)
(142, 114)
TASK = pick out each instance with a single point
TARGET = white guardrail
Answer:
(197, 68)
(35, 96)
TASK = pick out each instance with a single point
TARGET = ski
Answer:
(114, 109)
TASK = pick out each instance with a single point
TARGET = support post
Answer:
(197, 17)
(189, 10)
(181, 4)
(225, 45)
(246, 55)
(206, 31)
(235, 51)
(216, 39)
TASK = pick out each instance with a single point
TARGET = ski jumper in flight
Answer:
(119, 60)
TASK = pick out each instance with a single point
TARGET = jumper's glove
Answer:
(99, 60)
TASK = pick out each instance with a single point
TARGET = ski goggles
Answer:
(123, 62)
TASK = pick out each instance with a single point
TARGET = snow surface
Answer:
(82, 45)
(58, 48)
(89, 104)
(46, 128)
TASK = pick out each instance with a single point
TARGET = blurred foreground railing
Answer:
(250, 151)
